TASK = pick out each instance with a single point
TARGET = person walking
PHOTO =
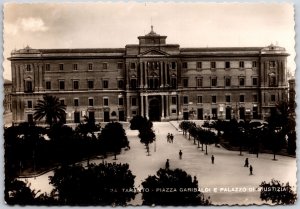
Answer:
(167, 164)
(246, 163)
(168, 137)
(180, 154)
(171, 138)
(251, 170)
(212, 159)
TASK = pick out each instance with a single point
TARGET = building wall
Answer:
(218, 83)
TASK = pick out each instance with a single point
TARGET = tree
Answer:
(88, 127)
(103, 184)
(138, 122)
(277, 192)
(18, 192)
(147, 136)
(156, 189)
(113, 138)
(51, 109)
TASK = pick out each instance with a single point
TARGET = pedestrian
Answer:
(212, 159)
(168, 137)
(171, 137)
(167, 164)
(180, 154)
(246, 163)
(251, 170)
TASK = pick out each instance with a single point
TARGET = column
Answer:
(142, 105)
(162, 107)
(167, 106)
(127, 75)
(165, 72)
(141, 75)
(21, 78)
(161, 74)
(41, 76)
(128, 107)
(147, 107)
(146, 76)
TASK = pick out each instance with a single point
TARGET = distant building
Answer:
(154, 79)
(292, 94)
(7, 96)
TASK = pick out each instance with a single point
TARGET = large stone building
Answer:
(7, 96)
(152, 78)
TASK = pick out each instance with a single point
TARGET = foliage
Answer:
(277, 192)
(88, 127)
(18, 192)
(51, 109)
(157, 189)
(138, 122)
(113, 138)
(185, 126)
(103, 184)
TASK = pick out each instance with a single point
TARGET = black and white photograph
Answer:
(149, 104)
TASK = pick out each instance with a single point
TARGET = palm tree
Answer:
(50, 108)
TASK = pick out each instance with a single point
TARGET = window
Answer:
(199, 65)
(30, 118)
(62, 101)
(214, 99)
(174, 101)
(105, 66)
(227, 98)
(254, 81)
(254, 64)
(272, 64)
(105, 84)
(133, 83)
(185, 99)
(76, 117)
(242, 81)
(75, 84)
(76, 102)
(272, 79)
(212, 64)
(90, 84)
(241, 64)
(48, 85)
(61, 66)
(105, 101)
(90, 66)
(120, 65)
(120, 84)
(272, 97)
(61, 85)
(28, 67)
(227, 81)
(133, 112)
(173, 111)
(173, 83)
(199, 99)
(91, 102)
(242, 98)
(185, 82)
(173, 65)
(213, 81)
(132, 65)
(184, 65)
(199, 82)
(133, 101)
(28, 86)
(255, 98)
(75, 66)
(227, 64)
(47, 67)
(121, 101)
(29, 104)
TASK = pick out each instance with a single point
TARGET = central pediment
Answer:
(153, 53)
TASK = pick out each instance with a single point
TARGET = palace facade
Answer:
(154, 79)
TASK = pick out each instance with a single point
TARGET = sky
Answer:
(97, 25)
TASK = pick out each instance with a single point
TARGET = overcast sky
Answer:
(114, 25)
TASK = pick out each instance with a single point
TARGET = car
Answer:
(257, 124)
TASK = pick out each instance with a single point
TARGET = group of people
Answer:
(170, 138)
(247, 165)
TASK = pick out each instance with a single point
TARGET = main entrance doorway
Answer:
(154, 108)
